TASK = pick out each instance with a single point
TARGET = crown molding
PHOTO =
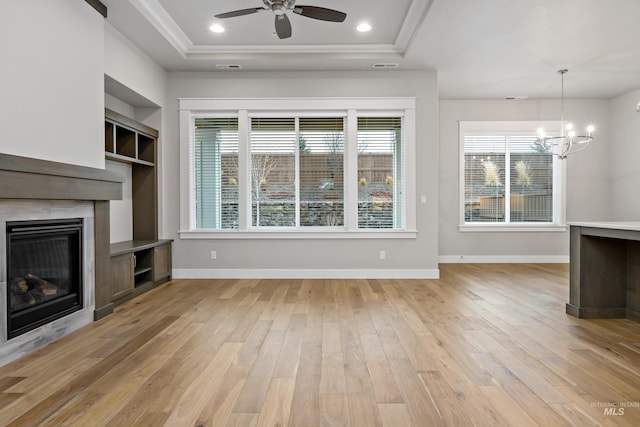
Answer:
(160, 19)
(164, 24)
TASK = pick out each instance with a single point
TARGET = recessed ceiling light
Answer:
(364, 27)
(217, 28)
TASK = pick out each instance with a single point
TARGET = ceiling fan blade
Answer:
(283, 26)
(320, 13)
(240, 12)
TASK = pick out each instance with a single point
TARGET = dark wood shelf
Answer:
(140, 264)
(131, 246)
(129, 141)
(125, 159)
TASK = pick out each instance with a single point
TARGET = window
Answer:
(215, 163)
(258, 167)
(380, 172)
(297, 168)
(506, 178)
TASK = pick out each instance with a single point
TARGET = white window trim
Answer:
(351, 108)
(560, 182)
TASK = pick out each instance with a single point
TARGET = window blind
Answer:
(507, 179)
(215, 159)
(380, 177)
(321, 146)
(273, 171)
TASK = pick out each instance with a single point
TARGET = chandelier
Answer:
(569, 141)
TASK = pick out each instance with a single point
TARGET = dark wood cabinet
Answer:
(162, 262)
(121, 276)
(150, 266)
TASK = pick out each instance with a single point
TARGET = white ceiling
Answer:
(480, 48)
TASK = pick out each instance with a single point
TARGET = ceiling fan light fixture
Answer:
(279, 9)
(216, 28)
(363, 27)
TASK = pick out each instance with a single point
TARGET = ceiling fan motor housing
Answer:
(279, 7)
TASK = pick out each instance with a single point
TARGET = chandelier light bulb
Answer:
(564, 144)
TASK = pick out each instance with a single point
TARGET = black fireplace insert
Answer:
(44, 272)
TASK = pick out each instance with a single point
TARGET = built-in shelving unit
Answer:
(136, 144)
(144, 262)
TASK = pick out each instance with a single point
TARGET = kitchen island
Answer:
(604, 270)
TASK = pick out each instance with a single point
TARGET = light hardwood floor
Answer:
(485, 345)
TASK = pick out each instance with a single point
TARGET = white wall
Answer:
(625, 157)
(52, 81)
(588, 184)
(348, 254)
(132, 68)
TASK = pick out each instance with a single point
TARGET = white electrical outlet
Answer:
(423, 200)
(383, 254)
(214, 255)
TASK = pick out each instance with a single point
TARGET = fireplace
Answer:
(44, 272)
(40, 190)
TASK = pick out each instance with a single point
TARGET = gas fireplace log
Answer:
(19, 285)
(40, 285)
(20, 301)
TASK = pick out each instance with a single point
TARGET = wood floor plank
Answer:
(484, 345)
(334, 410)
(8, 382)
(256, 386)
(289, 358)
(385, 386)
(394, 414)
(194, 399)
(219, 409)
(277, 403)
(305, 409)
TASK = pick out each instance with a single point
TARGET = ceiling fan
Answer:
(280, 7)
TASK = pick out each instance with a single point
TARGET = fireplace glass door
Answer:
(44, 272)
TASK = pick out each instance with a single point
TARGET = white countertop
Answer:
(615, 225)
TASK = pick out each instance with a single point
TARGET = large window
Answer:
(506, 178)
(296, 166)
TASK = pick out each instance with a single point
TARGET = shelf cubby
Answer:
(125, 143)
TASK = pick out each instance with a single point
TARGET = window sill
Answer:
(296, 234)
(510, 228)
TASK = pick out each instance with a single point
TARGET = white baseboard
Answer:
(181, 273)
(506, 259)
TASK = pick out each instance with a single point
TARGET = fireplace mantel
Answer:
(27, 178)
(37, 185)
